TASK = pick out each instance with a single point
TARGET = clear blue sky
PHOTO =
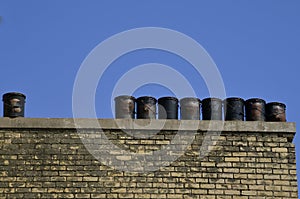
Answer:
(255, 45)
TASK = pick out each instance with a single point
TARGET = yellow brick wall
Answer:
(54, 163)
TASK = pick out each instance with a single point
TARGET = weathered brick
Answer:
(282, 194)
(247, 170)
(232, 159)
(90, 179)
(208, 186)
(231, 170)
(249, 193)
(248, 181)
(232, 192)
(279, 150)
(216, 191)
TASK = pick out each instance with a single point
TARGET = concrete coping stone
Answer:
(145, 124)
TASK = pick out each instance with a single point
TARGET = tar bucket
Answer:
(275, 111)
(146, 107)
(211, 109)
(124, 106)
(168, 108)
(255, 109)
(190, 108)
(234, 108)
(13, 104)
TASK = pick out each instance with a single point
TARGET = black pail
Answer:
(168, 108)
(211, 109)
(255, 109)
(125, 106)
(275, 111)
(146, 107)
(13, 104)
(190, 108)
(234, 108)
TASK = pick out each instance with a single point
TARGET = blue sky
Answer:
(255, 45)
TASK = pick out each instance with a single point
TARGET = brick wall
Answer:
(44, 158)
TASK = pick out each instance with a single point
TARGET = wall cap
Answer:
(144, 124)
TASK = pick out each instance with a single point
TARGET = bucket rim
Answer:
(9, 94)
(125, 97)
(233, 99)
(167, 98)
(276, 103)
(190, 98)
(212, 99)
(255, 100)
(146, 97)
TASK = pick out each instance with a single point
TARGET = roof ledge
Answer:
(144, 124)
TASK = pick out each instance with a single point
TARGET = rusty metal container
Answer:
(168, 108)
(234, 108)
(125, 106)
(146, 107)
(13, 104)
(211, 109)
(275, 112)
(190, 108)
(255, 109)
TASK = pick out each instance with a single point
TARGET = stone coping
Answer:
(144, 124)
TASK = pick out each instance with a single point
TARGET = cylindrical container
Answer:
(13, 104)
(234, 108)
(275, 111)
(212, 109)
(168, 108)
(124, 106)
(146, 107)
(255, 109)
(190, 108)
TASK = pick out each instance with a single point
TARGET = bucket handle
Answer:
(12, 106)
(148, 107)
(260, 111)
